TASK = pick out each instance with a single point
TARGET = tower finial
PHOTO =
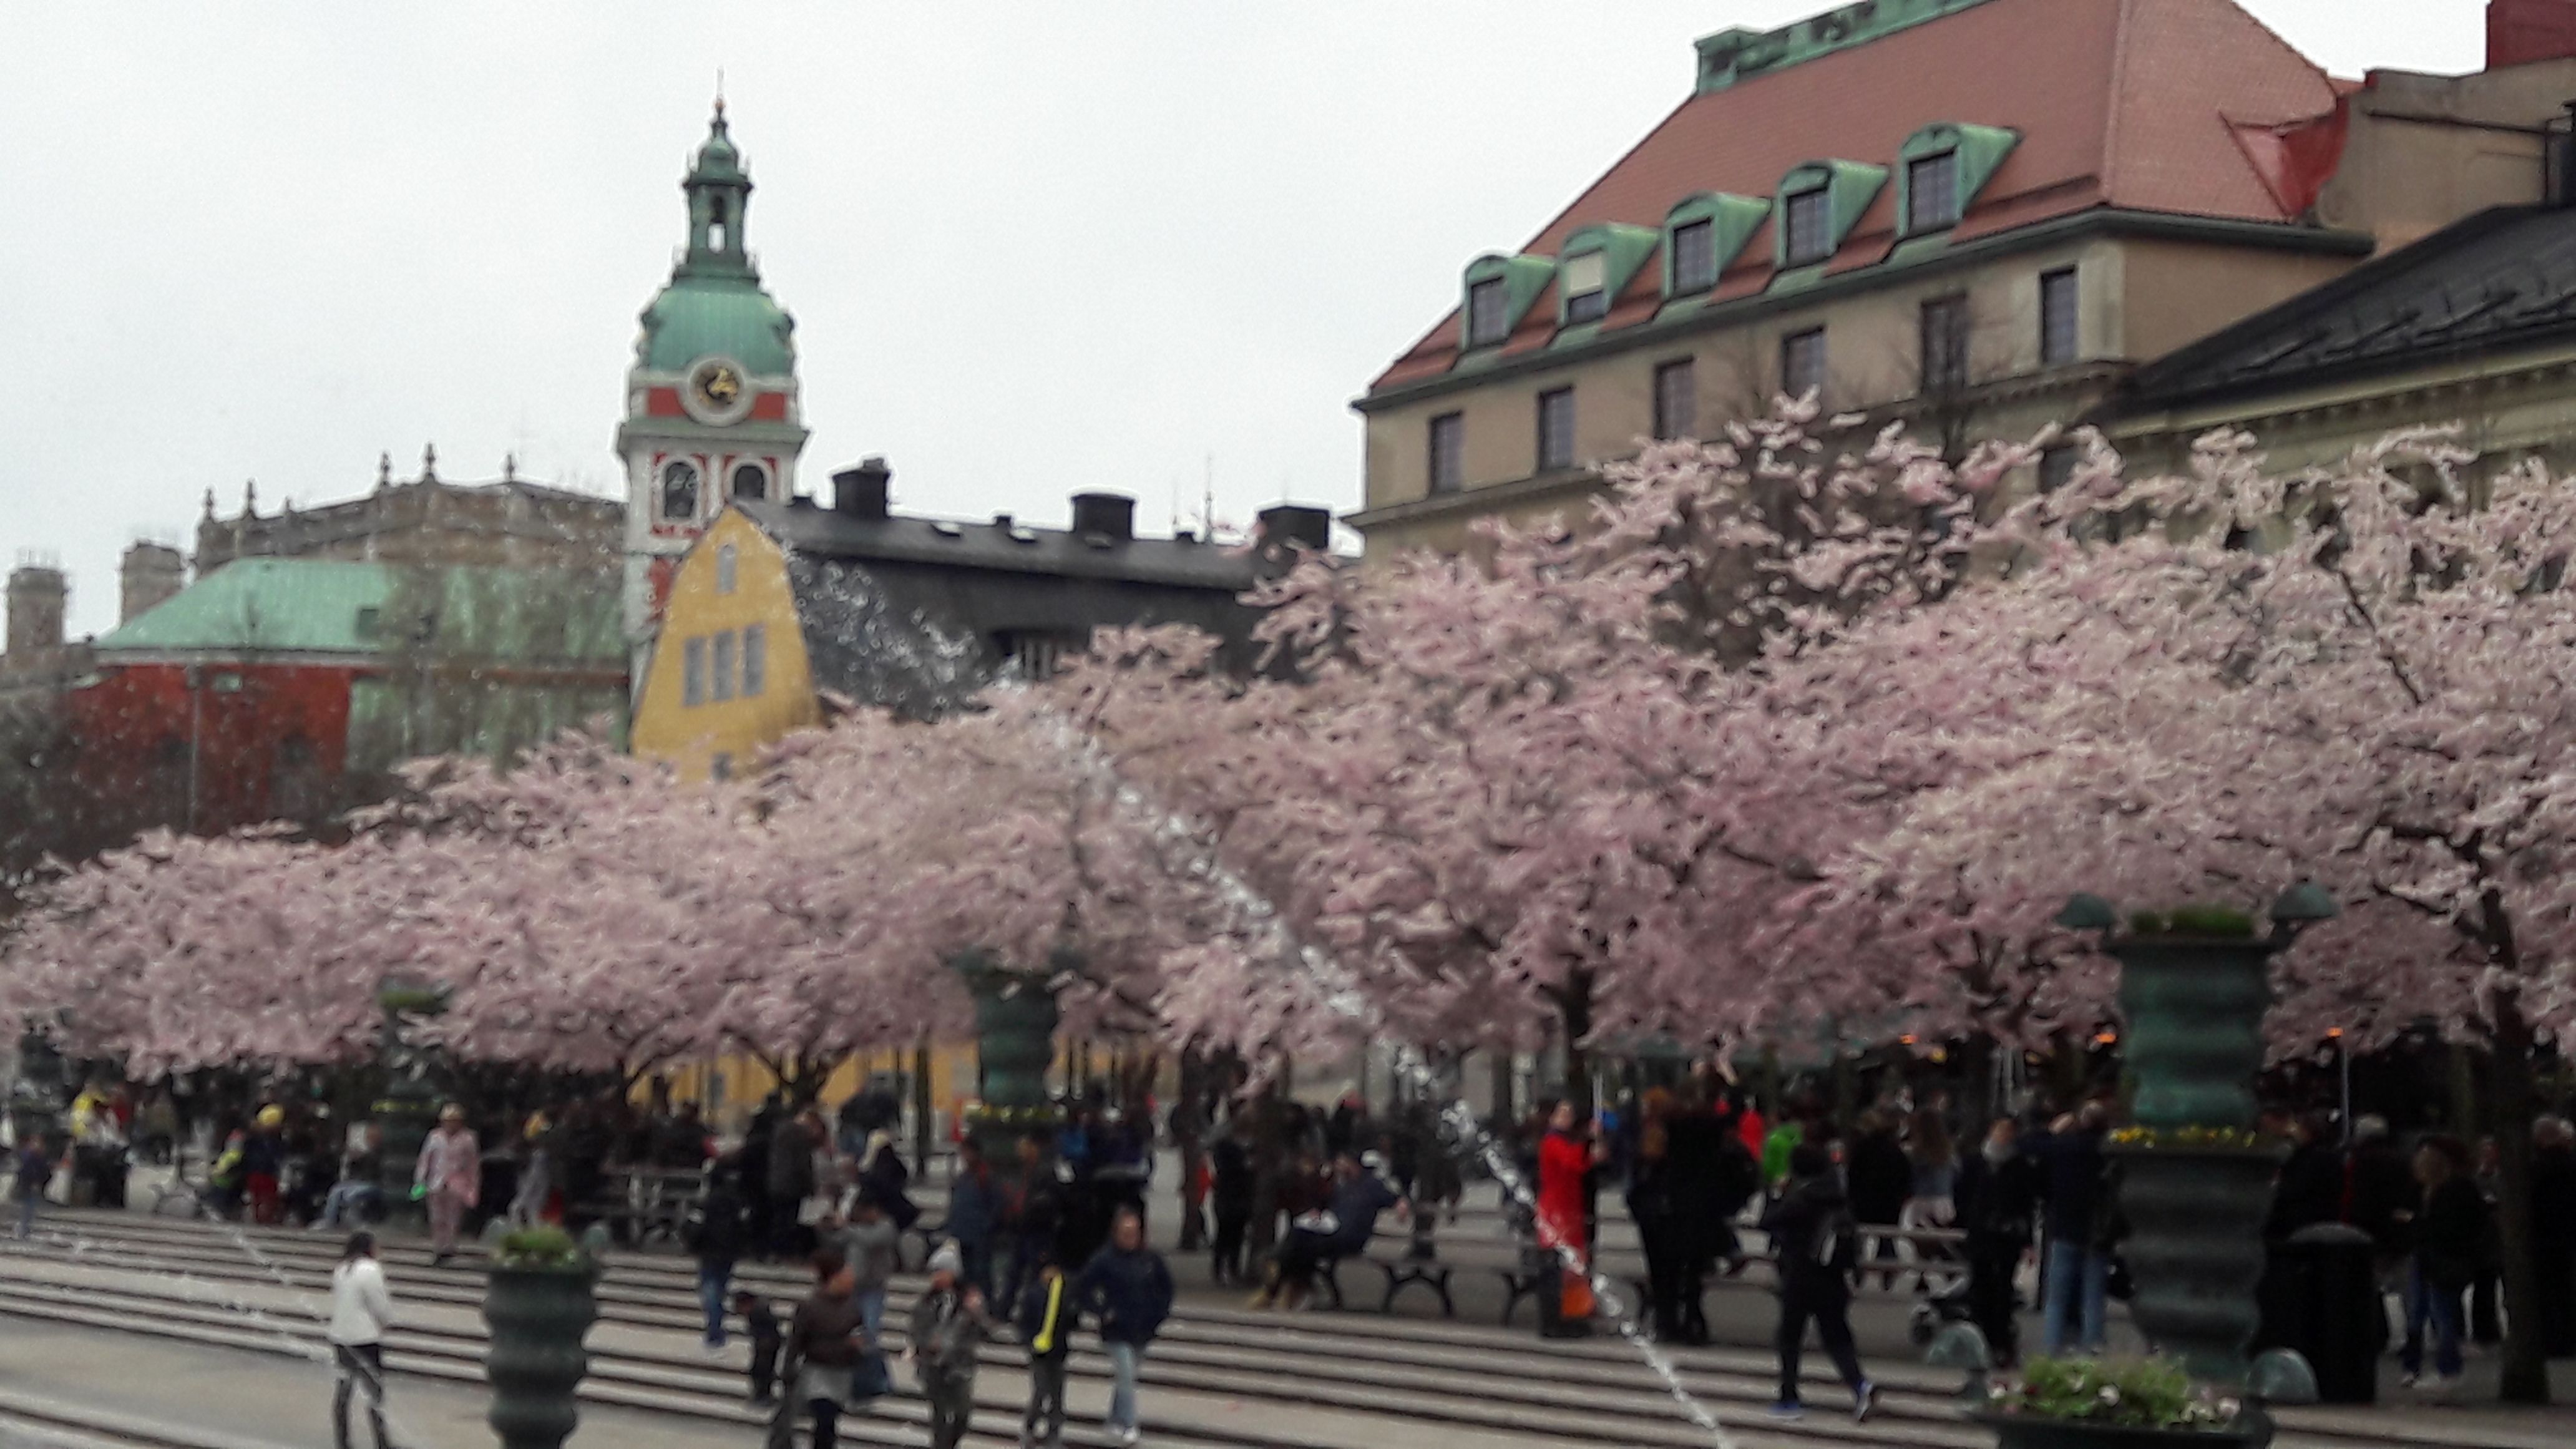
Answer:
(509, 467)
(384, 470)
(719, 93)
(429, 462)
(250, 498)
(210, 505)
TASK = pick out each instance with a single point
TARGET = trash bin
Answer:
(2340, 1327)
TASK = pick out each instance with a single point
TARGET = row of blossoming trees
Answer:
(1782, 736)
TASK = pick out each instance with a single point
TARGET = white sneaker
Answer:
(1130, 1434)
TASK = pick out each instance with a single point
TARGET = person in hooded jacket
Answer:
(947, 1323)
(1127, 1289)
(714, 1235)
(1998, 1207)
(824, 1343)
(1817, 1245)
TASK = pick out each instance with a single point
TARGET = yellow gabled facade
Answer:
(729, 672)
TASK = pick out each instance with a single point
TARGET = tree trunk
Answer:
(1499, 1069)
(921, 1107)
(2510, 1107)
(1574, 1009)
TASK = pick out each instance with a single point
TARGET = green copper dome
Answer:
(708, 317)
(714, 305)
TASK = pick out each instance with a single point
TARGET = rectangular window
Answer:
(1932, 193)
(755, 660)
(724, 569)
(1555, 429)
(1676, 400)
(1694, 257)
(1448, 452)
(2057, 467)
(1802, 362)
(693, 673)
(1488, 313)
(723, 670)
(2060, 314)
(1945, 344)
(1586, 282)
(721, 767)
(1810, 226)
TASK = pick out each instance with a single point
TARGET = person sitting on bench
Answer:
(1341, 1230)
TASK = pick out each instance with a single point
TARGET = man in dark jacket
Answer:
(1997, 1200)
(2077, 1270)
(2553, 1219)
(1882, 1178)
(714, 1236)
(1127, 1289)
(1230, 1199)
(1817, 1246)
(791, 1181)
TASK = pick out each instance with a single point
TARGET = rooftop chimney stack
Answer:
(37, 596)
(151, 574)
(2520, 32)
(863, 491)
(1308, 528)
(1109, 516)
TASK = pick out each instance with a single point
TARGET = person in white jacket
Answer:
(362, 1307)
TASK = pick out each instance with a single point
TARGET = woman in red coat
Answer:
(1565, 1163)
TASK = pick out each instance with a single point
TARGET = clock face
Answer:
(717, 391)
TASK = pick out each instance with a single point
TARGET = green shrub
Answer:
(549, 1248)
(2135, 1393)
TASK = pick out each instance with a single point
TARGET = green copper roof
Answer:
(714, 305)
(1731, 57)
(270, 606)
(698, 317)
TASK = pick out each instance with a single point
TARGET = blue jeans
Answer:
(1122, 1387)
(870, 1379)
(2438, 1308)
(2072, 1270)
(713, 1281)
(347, 1202)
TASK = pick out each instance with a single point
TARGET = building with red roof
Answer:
(1977, 215)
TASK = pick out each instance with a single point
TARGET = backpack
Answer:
(1836, 1246)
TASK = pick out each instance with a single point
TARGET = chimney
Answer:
(1295, 523)
(2520, 32)
(37, 594)
(1110, 516)
(152, 572)
(861, 492)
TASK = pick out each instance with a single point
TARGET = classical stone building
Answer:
(1975, 215)
(506, 522)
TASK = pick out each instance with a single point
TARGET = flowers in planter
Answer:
(2137, 1393)
(2235, 1137)
(546, 1249)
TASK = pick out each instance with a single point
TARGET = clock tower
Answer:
(711, 402)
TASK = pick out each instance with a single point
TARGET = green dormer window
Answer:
(1489, 317)
(1598, 263)
(1703, 236)
(1500, 290)
(1820, 203)
(1932, 193)
(1943, 167)
(1810, 227)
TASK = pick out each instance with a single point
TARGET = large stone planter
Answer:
(1015, 1021)
(2195, 1250)
(2195, 1027)
(2021, 1431)
(538, 1318)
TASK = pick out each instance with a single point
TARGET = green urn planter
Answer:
(2028, 1431)
(538, 1318)
(2195, 1011)
(1015, 1021)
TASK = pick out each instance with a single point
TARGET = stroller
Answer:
(1936, 1311)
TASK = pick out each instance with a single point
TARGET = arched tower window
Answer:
(751, 481)
(679, 491)
(717, 222)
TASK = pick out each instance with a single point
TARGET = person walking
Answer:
(263, 1163)
(536, 1171)
(713, 1235)
(1046, 1318)
(1932, 1203)
(1882, 1179)
(1996, 1203)
(1655, 1206)
(1817, 1246)
(947, 1323)
(32, 1172)
(1032, 1213)
(2553, 1220)
(974, 1215)
(790, 1169)
(1230, 1197)
(1127, 1289)
(869, 1244)
(450, 1175)
(760, 1325)
(825, 1341)
(2450, 1243)
(362, 1308)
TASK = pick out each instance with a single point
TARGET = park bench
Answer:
(641, 1203)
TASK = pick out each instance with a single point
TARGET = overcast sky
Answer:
(1031, 247)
